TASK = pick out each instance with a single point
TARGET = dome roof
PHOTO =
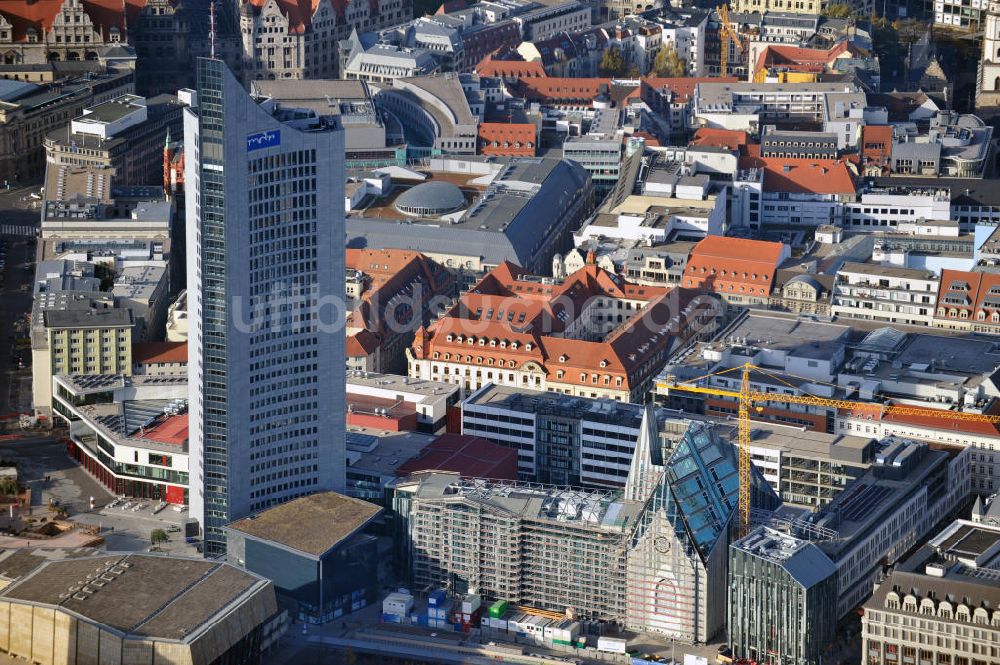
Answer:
(430, 199)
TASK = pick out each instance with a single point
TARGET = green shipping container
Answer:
(498, 609)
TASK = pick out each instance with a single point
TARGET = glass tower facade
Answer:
(265, 281)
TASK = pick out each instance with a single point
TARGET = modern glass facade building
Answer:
(265, 287)
(676, 581)
(782, 599)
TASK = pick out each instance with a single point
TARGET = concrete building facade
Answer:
(258, 281)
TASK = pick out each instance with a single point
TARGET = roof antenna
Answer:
(124, 20)
(211, 27)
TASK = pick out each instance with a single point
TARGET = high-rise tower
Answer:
(265, 236)
(988, 83)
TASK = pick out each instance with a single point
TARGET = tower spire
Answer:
(211, 27)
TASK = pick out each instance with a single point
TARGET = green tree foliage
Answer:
(612, 63)
(157, 536)
(838, 10)
(106, 275)
(9, 487)
(668, 63)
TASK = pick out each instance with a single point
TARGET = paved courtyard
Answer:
(52, 476)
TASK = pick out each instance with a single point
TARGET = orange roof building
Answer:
(783, 63)
(591, 334)
(876, 149)
(32, 20)
(730, 139)
(741, 271)
(499, 139)
(393, 292)
(672, 98)
(160, 353)
(969, 301)
(510, 69)
(796, 175)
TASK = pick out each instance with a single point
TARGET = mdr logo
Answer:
(262, 140)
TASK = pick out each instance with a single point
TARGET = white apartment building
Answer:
(884, 208)
(559, 439)
(883, 293)
(745, 105)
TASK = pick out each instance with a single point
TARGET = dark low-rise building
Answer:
(314, 551)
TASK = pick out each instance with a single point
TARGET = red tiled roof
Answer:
(509, 69)
(361, 344)
(40, 14)
(147, 353)
(564, 89)
(172, 430)
(651, 141)
(876, 144)
(800, 59)
(733, 265)
(387, 272)
(971, 292)
(944, 422)
(731, 139)
(450, 6)
(934, 419)
(519, 322)
(804, 176)
(469, 456)
(299, 12)
(509, 133)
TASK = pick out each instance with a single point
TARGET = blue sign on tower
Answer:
(262, 140)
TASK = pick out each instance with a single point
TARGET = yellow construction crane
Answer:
(726, 34)
(751, 400)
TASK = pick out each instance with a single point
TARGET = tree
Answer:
(668, 63)
(612, 63)
(838, 10)
(157, 536)
(106, 274)
(9, 487)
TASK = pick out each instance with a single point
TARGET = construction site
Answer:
(650, 559)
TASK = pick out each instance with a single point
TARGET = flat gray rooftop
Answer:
(532, 401)
(777, 332)
(88, 318)
(312, 524)
(110, 111)
(139, 594)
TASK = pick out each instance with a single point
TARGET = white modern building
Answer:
(266, 353)
(559, 439)
(884, 293)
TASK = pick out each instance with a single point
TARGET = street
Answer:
(16, 278)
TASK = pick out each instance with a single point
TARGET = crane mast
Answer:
(726, 35)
